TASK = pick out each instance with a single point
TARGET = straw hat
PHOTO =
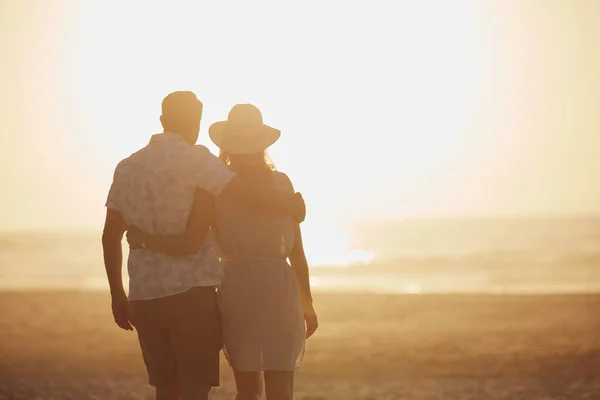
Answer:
(244, 131)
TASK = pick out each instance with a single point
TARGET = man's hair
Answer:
(180, 110)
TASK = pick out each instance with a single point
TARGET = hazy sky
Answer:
(387, 109)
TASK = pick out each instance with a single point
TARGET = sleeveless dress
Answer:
(261, 311)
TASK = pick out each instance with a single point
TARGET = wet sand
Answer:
(64, 345)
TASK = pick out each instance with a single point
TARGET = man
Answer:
(172, 301)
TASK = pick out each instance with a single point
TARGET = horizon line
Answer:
(399, 219)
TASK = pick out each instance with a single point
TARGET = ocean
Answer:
(494, 255)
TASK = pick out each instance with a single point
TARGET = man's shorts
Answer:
(180, 336)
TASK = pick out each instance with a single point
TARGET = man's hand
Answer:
(120, 310)
(134, 237)
(312, 322)
(299, 208)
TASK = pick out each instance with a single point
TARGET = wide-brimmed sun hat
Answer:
(244, 131)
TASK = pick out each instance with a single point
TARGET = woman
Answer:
(265, 302)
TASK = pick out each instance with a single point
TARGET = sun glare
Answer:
(327, 245)
(380, 118)
(386, 113)
(307, 103)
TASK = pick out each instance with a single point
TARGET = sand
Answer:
(63, 345)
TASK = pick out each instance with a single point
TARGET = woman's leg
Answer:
(249, 385)
(279, 385)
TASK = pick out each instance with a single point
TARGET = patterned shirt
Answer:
(154, 190)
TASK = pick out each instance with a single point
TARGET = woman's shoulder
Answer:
(282, 180)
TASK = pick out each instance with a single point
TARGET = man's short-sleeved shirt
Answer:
(154, 190)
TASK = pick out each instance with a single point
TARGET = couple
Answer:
(210, 241)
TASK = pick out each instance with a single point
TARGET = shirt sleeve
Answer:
(112, 201)
(211, 174)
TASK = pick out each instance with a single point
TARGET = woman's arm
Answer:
(300, 266)
(187, 243)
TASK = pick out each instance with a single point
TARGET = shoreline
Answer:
(337, 292)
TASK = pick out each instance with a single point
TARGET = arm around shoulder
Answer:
(266, 195)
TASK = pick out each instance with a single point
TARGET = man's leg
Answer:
(159, 357)
(279, 385)
(249, 385)
(196, 337)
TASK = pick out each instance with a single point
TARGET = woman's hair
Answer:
(226, 158)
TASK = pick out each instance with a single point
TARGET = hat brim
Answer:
(256, 141)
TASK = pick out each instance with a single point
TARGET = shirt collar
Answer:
(167, 137)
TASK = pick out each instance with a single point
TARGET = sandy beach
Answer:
(64, 345)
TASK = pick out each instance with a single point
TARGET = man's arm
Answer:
(264, 197)
(215, 177)
(187, 243)
(114, 227)
(300, 266)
